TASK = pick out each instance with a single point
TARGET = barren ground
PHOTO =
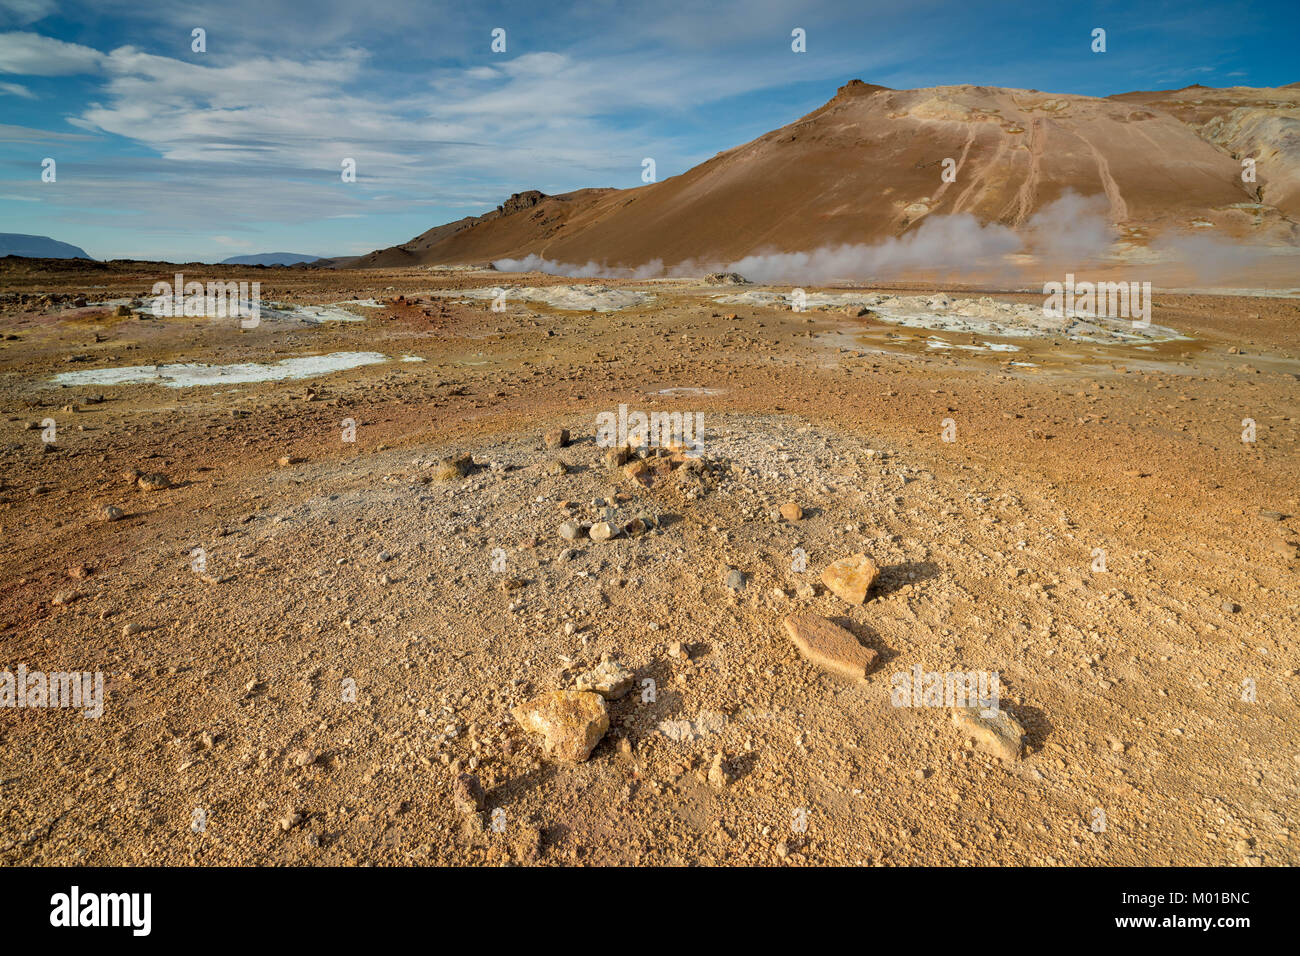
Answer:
(354, 562)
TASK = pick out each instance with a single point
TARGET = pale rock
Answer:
(851, 578)
(570, 721)
(1000, 735)
(829, 646)
(610, 679)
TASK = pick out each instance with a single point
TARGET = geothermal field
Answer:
(327, 564)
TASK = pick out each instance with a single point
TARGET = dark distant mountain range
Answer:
(38, 247)
(269, 259)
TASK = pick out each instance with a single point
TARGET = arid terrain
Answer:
(311, 630)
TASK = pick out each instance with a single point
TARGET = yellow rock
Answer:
(155, 481)
(851, 578)
(570, 721)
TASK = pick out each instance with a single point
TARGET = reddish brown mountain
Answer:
(868, 165)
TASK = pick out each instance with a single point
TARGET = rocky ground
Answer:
(336, 645)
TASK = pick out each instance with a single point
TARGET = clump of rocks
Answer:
(607, 523)
(610, 679)
(655, 467)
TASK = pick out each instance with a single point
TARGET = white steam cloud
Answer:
(1072, 229)
(592, 270)
(1070, 234)
(955, 243)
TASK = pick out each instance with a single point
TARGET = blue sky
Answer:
(165, 153)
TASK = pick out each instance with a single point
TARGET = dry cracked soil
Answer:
(311, 633)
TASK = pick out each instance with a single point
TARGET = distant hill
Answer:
(269, 259)
(38, 247)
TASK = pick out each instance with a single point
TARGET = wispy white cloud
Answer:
(27, 134)
(31, 54)
(230, 242)
(20, 13)
(254, 130)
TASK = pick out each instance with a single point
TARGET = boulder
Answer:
(571, 722)
(851, 578)
(452, 469)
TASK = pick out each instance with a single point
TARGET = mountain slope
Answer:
(1262, 124)
(525, 220)
(38, 247)
(867, 166)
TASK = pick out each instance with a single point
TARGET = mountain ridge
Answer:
(270, 259)
(865, 168)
